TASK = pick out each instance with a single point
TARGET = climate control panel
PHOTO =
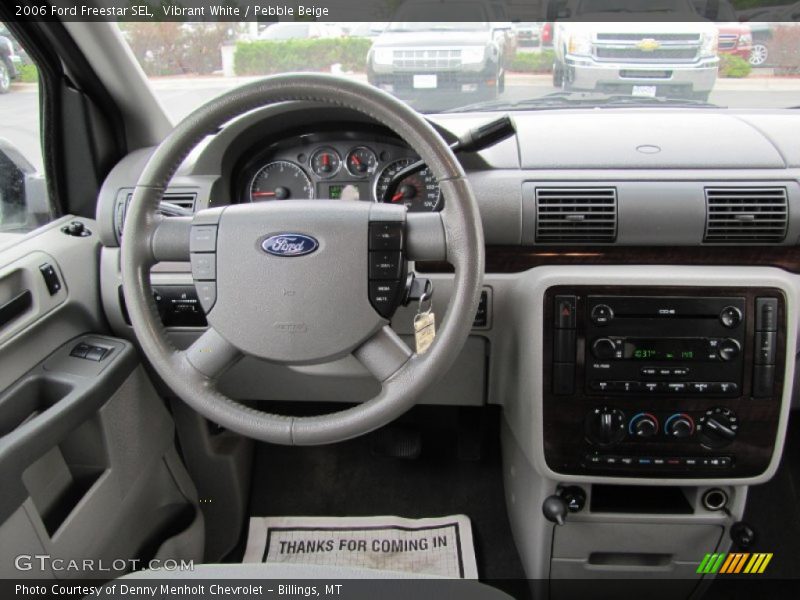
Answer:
(666, 382)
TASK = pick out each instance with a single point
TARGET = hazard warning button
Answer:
(565, 312)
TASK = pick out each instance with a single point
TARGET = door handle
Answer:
(15, 307)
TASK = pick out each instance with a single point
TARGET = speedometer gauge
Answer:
(280, 180)
(419, 192)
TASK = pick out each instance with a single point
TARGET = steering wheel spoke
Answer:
(383, 354)
(170, 239)
(425, 237)
(211, 354)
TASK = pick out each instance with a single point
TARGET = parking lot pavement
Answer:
(180, 95)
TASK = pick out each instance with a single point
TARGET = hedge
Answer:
(733, 67)
(28, 74)
(533, 62)
(266, 57)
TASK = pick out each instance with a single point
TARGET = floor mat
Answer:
(439, 546)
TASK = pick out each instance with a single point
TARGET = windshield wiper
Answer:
(582, 100)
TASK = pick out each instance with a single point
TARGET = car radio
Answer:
(662, 382)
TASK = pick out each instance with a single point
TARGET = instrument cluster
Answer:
(339, 167)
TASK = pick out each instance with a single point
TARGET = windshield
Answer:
(480, 64)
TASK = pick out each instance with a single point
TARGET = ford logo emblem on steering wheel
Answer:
(289, 244)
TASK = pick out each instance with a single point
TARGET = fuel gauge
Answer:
(325, 162)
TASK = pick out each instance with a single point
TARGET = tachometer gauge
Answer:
(325, 162)
(361, 162)
(280, 180)
(419, 192)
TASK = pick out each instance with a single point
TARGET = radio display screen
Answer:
(666, 349)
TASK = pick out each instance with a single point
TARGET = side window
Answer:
(24, 204)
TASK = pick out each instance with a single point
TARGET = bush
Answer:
(733, 67)
(533, 62)
(266, 57)
(28, 74)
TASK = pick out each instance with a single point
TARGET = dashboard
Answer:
(336, 165)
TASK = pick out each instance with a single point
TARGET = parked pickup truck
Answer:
(675, 58)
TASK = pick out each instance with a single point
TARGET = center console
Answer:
(662, 382)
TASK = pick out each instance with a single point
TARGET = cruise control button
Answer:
(385, 265)
(204, 266)
(206, 294)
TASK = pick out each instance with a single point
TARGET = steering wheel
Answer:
(289, 282)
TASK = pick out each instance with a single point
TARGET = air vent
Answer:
(183, 200)
(576, 215)
(749, 215)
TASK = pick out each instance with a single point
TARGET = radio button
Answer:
(648, 371)
(681, 371)
(730, 317)
(653, 386)
(665, 372)
(626, 386)
(601, 386)
(602, 314)
(697, 387)
(677, 387)
(724, 387)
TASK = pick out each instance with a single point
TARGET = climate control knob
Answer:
(643, 425)
(605, 426)
(604, 348)
(718, 427)
(679, 426)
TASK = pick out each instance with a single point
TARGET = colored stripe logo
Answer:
(735, 563)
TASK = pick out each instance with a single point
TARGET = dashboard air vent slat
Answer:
(567, 214)
(754, 215)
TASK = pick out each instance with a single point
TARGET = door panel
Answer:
(88, 465)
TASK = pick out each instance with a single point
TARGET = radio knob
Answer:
(602, 314)
(604, 348)
(643, 425)
(679, 426)
(729, 349)
(718, 427)
(730, 317)
(605, 426)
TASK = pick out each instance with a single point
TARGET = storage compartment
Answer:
(59, 480)
(639, 499)
(683, 542)
(28, 399)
